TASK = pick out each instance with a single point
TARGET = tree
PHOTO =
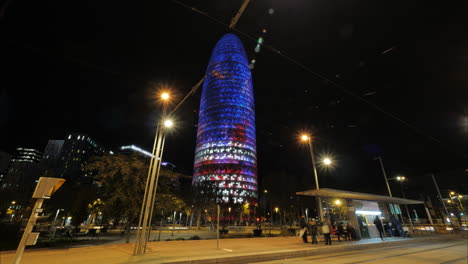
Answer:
(122, 179)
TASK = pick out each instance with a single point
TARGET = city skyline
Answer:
(396, 61)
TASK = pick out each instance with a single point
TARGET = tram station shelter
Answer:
(359, 209)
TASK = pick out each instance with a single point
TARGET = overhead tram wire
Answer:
(316, 74)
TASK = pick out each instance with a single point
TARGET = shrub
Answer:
(195, 238)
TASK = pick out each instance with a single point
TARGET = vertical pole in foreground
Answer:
(217, 230)
(140, 232)
(316, 180)
(406, 206)
(440, 197)
(27, 230)
(385, 175)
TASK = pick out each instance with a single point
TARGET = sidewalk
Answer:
(241, 250)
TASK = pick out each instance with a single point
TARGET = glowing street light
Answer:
(338, 202)
(168, 123)
(165, 96)
(327, 161)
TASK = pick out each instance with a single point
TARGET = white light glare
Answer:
(168, 123)
(368, 212)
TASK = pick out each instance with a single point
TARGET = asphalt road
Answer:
(441, 251)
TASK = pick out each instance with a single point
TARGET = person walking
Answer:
(379, 226)
(326, 231)
(313, 232)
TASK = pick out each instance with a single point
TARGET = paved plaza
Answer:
(242, 250)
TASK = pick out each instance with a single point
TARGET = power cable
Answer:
(316, 74)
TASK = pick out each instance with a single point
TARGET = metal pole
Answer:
(137, 247)
(428, 215)
(406, 207)
(173, 223)
(385, 175)
(388, 185)
(158, 169)
(316, 179)
(440, 196)
(217, 230)
(55, 225)
(140, 244)
(27, 230)
(161, 225)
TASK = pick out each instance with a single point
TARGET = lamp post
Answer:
(440, 197)
(276, 210)
(146, 212)
(55, 224)
(401, 179)
(229, 209)
(388, 186)
(307, 139)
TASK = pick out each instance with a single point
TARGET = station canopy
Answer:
(325, 192)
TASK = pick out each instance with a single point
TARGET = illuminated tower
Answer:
(226, 154)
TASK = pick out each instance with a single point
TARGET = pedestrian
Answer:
(340, 232)
(379, 226)
(326, 231)
(313, 231)
(396, 226)
(347, 232)
(388, 228)
(351, 232)
(303, 232)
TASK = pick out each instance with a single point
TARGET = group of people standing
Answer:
(327, 230)
(392, 227)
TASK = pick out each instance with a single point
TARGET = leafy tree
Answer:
(122, 179)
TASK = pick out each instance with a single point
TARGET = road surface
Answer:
(442, 251)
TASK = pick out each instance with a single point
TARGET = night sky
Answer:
(94, 67)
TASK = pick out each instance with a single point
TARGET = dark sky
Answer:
(94, 66)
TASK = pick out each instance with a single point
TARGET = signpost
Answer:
(44, 189)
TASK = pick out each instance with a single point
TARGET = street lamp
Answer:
(149, 198)
(401, 179)
(55, 224)
(229, 209)
(165, 96)
(307, 139)
(276, 211)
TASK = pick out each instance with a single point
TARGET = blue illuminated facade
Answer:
(226, 153)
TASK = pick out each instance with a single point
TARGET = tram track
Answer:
(410, 246)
